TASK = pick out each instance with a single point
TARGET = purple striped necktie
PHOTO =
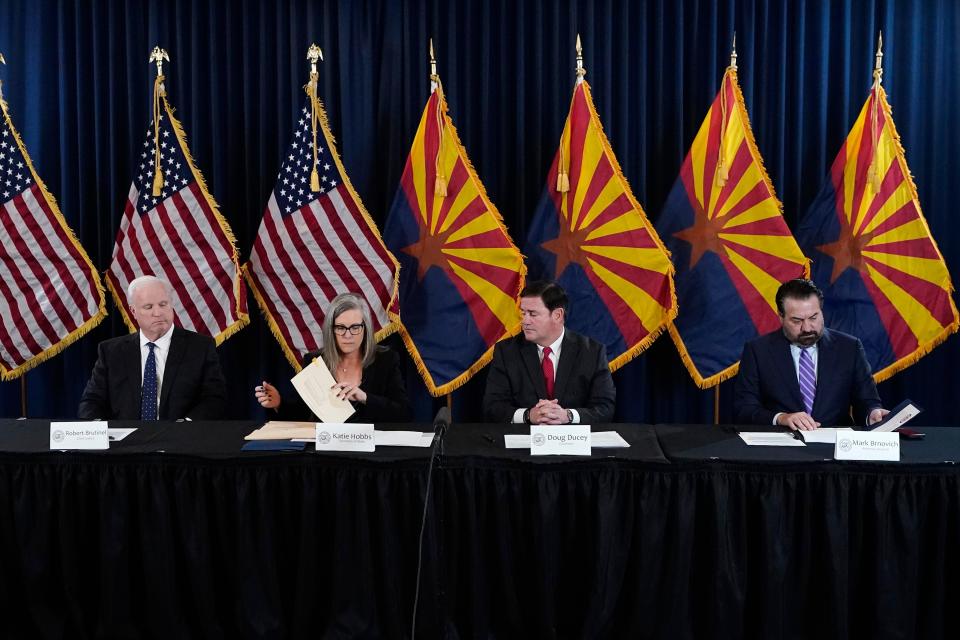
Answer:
(808, 380)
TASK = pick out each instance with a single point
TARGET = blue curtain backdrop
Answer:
(78, 84)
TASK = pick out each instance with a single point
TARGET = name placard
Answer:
(345, 437)
(867, 445)
(560, 440)
(66, 436)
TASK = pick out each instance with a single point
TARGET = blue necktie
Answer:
(148, 395)
(808, 380)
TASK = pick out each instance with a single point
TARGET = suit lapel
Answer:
(825, 367)
(132, 372)
(569, 353)
(788, 370)
(531, 361)
(177, 350)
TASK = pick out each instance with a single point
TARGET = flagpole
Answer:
(450, 405)
(314, 55)
(716, 403)
(440, 179)
(23, 394)
(158, 55)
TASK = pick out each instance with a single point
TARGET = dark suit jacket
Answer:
(767, 383)
(382, 382)
(193, 384)
(582, 382)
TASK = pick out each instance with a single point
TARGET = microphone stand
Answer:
(441, 423)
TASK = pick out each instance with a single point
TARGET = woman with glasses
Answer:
(367, 375)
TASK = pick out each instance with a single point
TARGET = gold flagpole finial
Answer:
(314, 55)
(2, 59)
(878, 65)
(733, 53)
(158, 55)
(581, 72)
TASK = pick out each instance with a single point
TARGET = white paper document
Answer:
(402, 438)
(766, 439)
(898, 416)
(600, 440)
(315, 385)
(823, 435)
(116, 434)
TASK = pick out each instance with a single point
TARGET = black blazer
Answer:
(583, 381)
(767, 382)
(193, 384)
(381, 381)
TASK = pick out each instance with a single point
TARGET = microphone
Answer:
(440, 424)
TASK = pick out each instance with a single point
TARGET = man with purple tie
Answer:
(804, 375)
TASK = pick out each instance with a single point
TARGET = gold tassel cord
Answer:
(158, 92)
(563, 177)
(314, 117)
(723, 174)
(873, 177)
(440, 182)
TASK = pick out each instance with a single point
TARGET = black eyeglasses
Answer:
(341, 330)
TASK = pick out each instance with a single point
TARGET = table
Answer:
(176, 533)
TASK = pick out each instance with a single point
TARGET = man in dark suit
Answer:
(548, 375)
(161, 372)
(803, 376)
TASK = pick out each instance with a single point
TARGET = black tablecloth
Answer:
(174, 532)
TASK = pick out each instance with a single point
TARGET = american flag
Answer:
(50, 293)
(181, 237)
(312, 246)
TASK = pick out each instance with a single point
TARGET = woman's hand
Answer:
(349, 391)
(267, 395)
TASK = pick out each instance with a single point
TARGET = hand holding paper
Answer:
(320, 391)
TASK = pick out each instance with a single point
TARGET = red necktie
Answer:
(547, 365)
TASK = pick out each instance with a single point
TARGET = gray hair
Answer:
(136, 283)
(340, 304)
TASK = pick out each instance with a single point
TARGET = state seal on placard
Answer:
(324, 437)
(58, 435)
(845, 444)
(538, 439)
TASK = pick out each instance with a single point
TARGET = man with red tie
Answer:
(548, 375)
(803, 375)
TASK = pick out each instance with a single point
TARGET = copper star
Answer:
(703, 236)
(568, 247)
(428, 251)
(846, 251)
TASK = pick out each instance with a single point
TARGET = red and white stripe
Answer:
(47, 286)
(181, 241)
(302, 260)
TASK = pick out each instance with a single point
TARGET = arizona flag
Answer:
(460, 274)
(592, 236)
(882, 274)
(730, 244)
